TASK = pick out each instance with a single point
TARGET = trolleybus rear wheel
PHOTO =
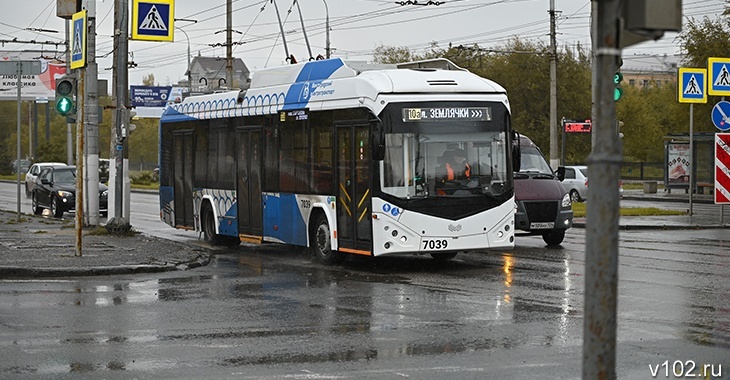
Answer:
(209, 226)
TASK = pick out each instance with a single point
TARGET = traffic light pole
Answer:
(91, 121)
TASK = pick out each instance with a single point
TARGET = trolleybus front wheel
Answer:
(320, 242)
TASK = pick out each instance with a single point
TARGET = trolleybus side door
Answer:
(184, 152)
(248, 184)
(354, 224)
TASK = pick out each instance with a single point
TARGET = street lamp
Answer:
(327, 27)
(190, 80)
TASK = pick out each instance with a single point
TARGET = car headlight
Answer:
(65, 194)
(566, 201)
(105, 193)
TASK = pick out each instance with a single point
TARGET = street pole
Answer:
(602, 213)
(229, 44)
(91, 120)
(190, 79)
(118, 224)
(69, 126)
(554, 160)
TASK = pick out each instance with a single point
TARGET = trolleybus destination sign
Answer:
(448, 113)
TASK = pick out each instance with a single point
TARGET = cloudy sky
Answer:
(357, 27)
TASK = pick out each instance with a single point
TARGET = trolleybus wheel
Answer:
(443, 256)
(321, 242)
(209, 227)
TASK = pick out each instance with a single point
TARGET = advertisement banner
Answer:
(32, 86)
(678, 164)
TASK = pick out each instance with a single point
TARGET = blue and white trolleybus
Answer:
(344, 159)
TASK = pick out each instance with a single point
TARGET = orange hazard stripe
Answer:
(355, 251)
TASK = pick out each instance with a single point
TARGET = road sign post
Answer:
(692, 89)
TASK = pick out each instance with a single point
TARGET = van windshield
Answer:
(533, 161)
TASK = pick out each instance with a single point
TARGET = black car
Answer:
(55, 189)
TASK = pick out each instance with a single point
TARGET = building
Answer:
(209, 74)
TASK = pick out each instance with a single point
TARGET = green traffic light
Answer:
(617, 93)
(618, 77)
(64, 106)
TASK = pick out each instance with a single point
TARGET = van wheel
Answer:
(208, 224)
(320, 242)
(554, 237)
(574, 196)
(443, 256)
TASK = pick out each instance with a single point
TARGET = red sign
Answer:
(722, 168)
(577, 126)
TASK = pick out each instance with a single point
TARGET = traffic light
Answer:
(618, 92)
(65, 92)
(128, 127)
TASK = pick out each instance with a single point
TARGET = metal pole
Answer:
(19, 72)
(69, 133)
(81, 102)
(304, 31)
(554, 160)
(91, 121)
(327, 31)
(691, 156)
(281, 27)
(190, 80)
(601, 267)
(118, 224)
(34, 134)
(229, 44)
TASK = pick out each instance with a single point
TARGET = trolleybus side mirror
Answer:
(516, 152)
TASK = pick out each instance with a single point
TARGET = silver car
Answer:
(576, 182)
(32, 174)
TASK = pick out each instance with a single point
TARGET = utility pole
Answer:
(327, 31)
(91, 120)
(601, 264)
(118, 224)
(229, 44)
(554, 160)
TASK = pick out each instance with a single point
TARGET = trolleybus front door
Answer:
(248, 185)
(183, 151)
(354, 229)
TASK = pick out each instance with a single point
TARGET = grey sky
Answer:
(357, 27)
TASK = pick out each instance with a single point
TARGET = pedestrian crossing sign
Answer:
(692, 85)
(718, 70)
(78, 40)
(153, 20)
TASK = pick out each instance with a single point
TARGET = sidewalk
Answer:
(706, 214)
(46, 247)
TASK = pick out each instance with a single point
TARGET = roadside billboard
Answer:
(32, 86)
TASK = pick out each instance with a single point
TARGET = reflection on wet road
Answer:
(269, 312)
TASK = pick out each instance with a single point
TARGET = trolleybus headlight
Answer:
(403, 238)
(394, 233)
(387, 245)
(500, 234)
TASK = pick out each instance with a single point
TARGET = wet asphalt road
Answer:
(270, 313)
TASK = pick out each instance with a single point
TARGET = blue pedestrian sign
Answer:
(718, 70)
(721, 115)
(153, 20)
(692, 85)
(78, 40)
